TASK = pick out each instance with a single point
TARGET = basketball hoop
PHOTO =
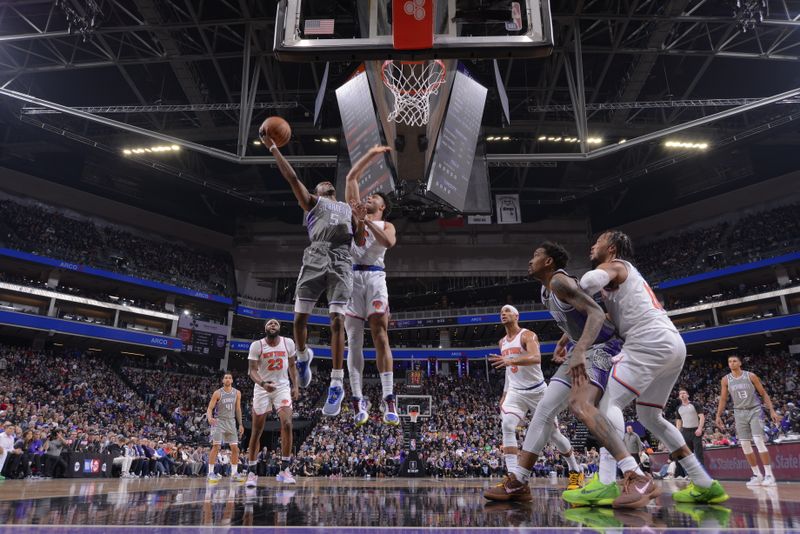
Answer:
(413, 415)
(412, 83)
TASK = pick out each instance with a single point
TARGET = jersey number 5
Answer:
(275, 364)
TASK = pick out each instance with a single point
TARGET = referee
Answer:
(691, 421)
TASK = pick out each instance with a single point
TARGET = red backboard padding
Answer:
(412, 24)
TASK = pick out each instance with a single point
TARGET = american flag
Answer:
(318, 27)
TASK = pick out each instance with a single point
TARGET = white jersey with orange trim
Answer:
(520, 378)
(273, 361)
(634, 308)
(372, 252)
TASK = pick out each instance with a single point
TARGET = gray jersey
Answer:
(330, 221)
(743, 392)
(572, 321)
(226, 407)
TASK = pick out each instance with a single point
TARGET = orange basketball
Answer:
(277, 129)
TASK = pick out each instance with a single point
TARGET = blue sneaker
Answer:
(361, 409)
(390, 416)
(334, 403)
(304, 369)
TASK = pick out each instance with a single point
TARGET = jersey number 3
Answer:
(275, 364)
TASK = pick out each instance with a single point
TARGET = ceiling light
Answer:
(157, 149)
(506, 138)
(724, 349)
(542, 138)
(622, 141)
(690, 145)
(256, 142)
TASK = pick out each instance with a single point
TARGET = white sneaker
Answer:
(252, 480)
(238, 478)
(755, 480)
(214, 478)
(286, 477)
(770, 481)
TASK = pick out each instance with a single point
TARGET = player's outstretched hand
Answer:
(498, 361)
(359, 210)
(577, 367)
(380, 149)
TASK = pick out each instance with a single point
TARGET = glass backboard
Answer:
(351, 30)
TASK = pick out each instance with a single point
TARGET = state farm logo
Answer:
(415, 8)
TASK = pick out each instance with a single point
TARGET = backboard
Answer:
(353, 30)
(420, 404)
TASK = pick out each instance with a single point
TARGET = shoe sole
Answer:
(391, 423)
(641, 503)
(337, 412)
(251, 485)
(305, 384)
(362, 423)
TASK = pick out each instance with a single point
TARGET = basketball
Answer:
(277, 129)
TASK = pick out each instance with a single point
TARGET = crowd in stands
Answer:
(33, 228)
(150, 415)
(763, 234)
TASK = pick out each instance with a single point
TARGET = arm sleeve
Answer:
(595, 280)
(255, 351)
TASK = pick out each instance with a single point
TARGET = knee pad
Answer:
(760, 445)
(746, 447)
(653, 420)
(510, 422)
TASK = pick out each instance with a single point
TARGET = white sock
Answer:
(387, 383)
(573, 463)
(629, 464)
(301, 355)
(337, 377)
(522, 474)
(695, 471)
(755, 469)
(768, 470)
(608, 467)
(511, 462)
(211, 469)
(234, 469)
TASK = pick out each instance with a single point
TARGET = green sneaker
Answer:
(697, 495)
(704, 514)
(596, 518)
(595, 493)
(2, 477)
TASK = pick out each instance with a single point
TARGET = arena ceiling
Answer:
(178, 67)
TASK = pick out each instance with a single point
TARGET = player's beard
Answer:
(271, 336)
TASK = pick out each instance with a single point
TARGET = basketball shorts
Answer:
(328, 269)
(225, 432)
(749, 423)
(520, 403)
(265, 402)
(598, 364)
(648, 368)
(370, 295)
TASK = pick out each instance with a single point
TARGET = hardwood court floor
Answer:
(402, 505)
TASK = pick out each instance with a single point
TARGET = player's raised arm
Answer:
(351, 192)
(301, 193)
(387, 236)
(611, 273)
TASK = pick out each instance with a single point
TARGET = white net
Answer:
(412, 83)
